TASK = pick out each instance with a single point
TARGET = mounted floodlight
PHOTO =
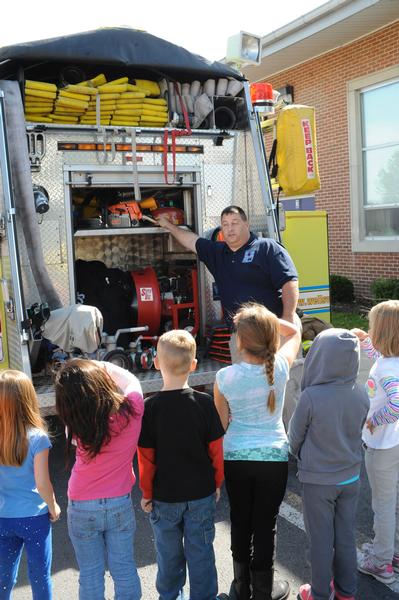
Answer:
(244, 49)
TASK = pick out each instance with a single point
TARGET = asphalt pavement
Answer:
(291, 561)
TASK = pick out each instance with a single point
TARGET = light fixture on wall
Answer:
(286, 94)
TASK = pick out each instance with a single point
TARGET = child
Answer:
(181, 467)
(325, 436)
(102, 407)
(249, 397)
(27, 502)
(381, 439)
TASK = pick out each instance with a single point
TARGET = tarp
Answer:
(119, 50)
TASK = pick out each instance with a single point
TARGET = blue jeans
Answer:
(35, 534)
(102, 532)
(184, 533)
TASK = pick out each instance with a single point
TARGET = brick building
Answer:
(343, 59)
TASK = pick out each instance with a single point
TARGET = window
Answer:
(374, 161)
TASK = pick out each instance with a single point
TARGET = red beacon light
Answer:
(262, 97)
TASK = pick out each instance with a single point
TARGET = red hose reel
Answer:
(147, 303)
(148, 299)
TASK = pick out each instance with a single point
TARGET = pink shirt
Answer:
(110, 473)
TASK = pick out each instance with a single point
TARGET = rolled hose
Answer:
(225, 118)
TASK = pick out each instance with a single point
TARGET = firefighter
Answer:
(245, 268)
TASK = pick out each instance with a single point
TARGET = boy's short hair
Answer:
(176, 351)
(384, 327)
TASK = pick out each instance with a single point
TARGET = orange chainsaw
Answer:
(127, 214)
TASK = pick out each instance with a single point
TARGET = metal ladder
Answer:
(263, 171)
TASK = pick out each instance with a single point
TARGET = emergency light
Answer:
(99, 147)
(262, 96)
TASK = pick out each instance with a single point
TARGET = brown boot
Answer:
(264, 588)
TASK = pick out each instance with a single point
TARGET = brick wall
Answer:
(321, 83)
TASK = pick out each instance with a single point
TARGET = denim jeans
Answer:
(102, 532)
(184, 534)
(35, 534)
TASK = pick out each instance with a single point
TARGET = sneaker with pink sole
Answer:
(385, 574)
(395, 563)
(305, 593)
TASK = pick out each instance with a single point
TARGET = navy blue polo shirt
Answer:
(255, 272)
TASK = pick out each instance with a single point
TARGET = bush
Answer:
(385, 289)
(341, 289)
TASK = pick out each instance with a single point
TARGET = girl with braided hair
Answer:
(102, 407)
(249, 397)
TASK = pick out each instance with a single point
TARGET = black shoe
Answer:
(281, 590)
(240, 587)
(264, 588)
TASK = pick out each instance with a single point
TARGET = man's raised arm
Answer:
(185, 238)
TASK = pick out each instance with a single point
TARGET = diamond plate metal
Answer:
(57, 274)
(123, 252)
(53, 226)
(51, 243)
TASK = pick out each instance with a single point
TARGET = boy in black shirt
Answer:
(181, 471)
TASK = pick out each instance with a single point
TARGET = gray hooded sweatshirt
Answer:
(325, 432)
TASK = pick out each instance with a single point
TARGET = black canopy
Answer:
(116, 51)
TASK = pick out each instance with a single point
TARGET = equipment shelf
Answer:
(121, 231)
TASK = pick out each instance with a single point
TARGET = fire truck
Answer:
(85, 269)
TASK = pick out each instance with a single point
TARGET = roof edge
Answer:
(317, 20)
(315, 56)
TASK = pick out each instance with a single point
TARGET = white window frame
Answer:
(361, 243)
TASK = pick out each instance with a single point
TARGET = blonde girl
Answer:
(27, 502)
(249, 397)
(381, 439)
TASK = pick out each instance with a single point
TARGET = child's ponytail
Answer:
(269, 368)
